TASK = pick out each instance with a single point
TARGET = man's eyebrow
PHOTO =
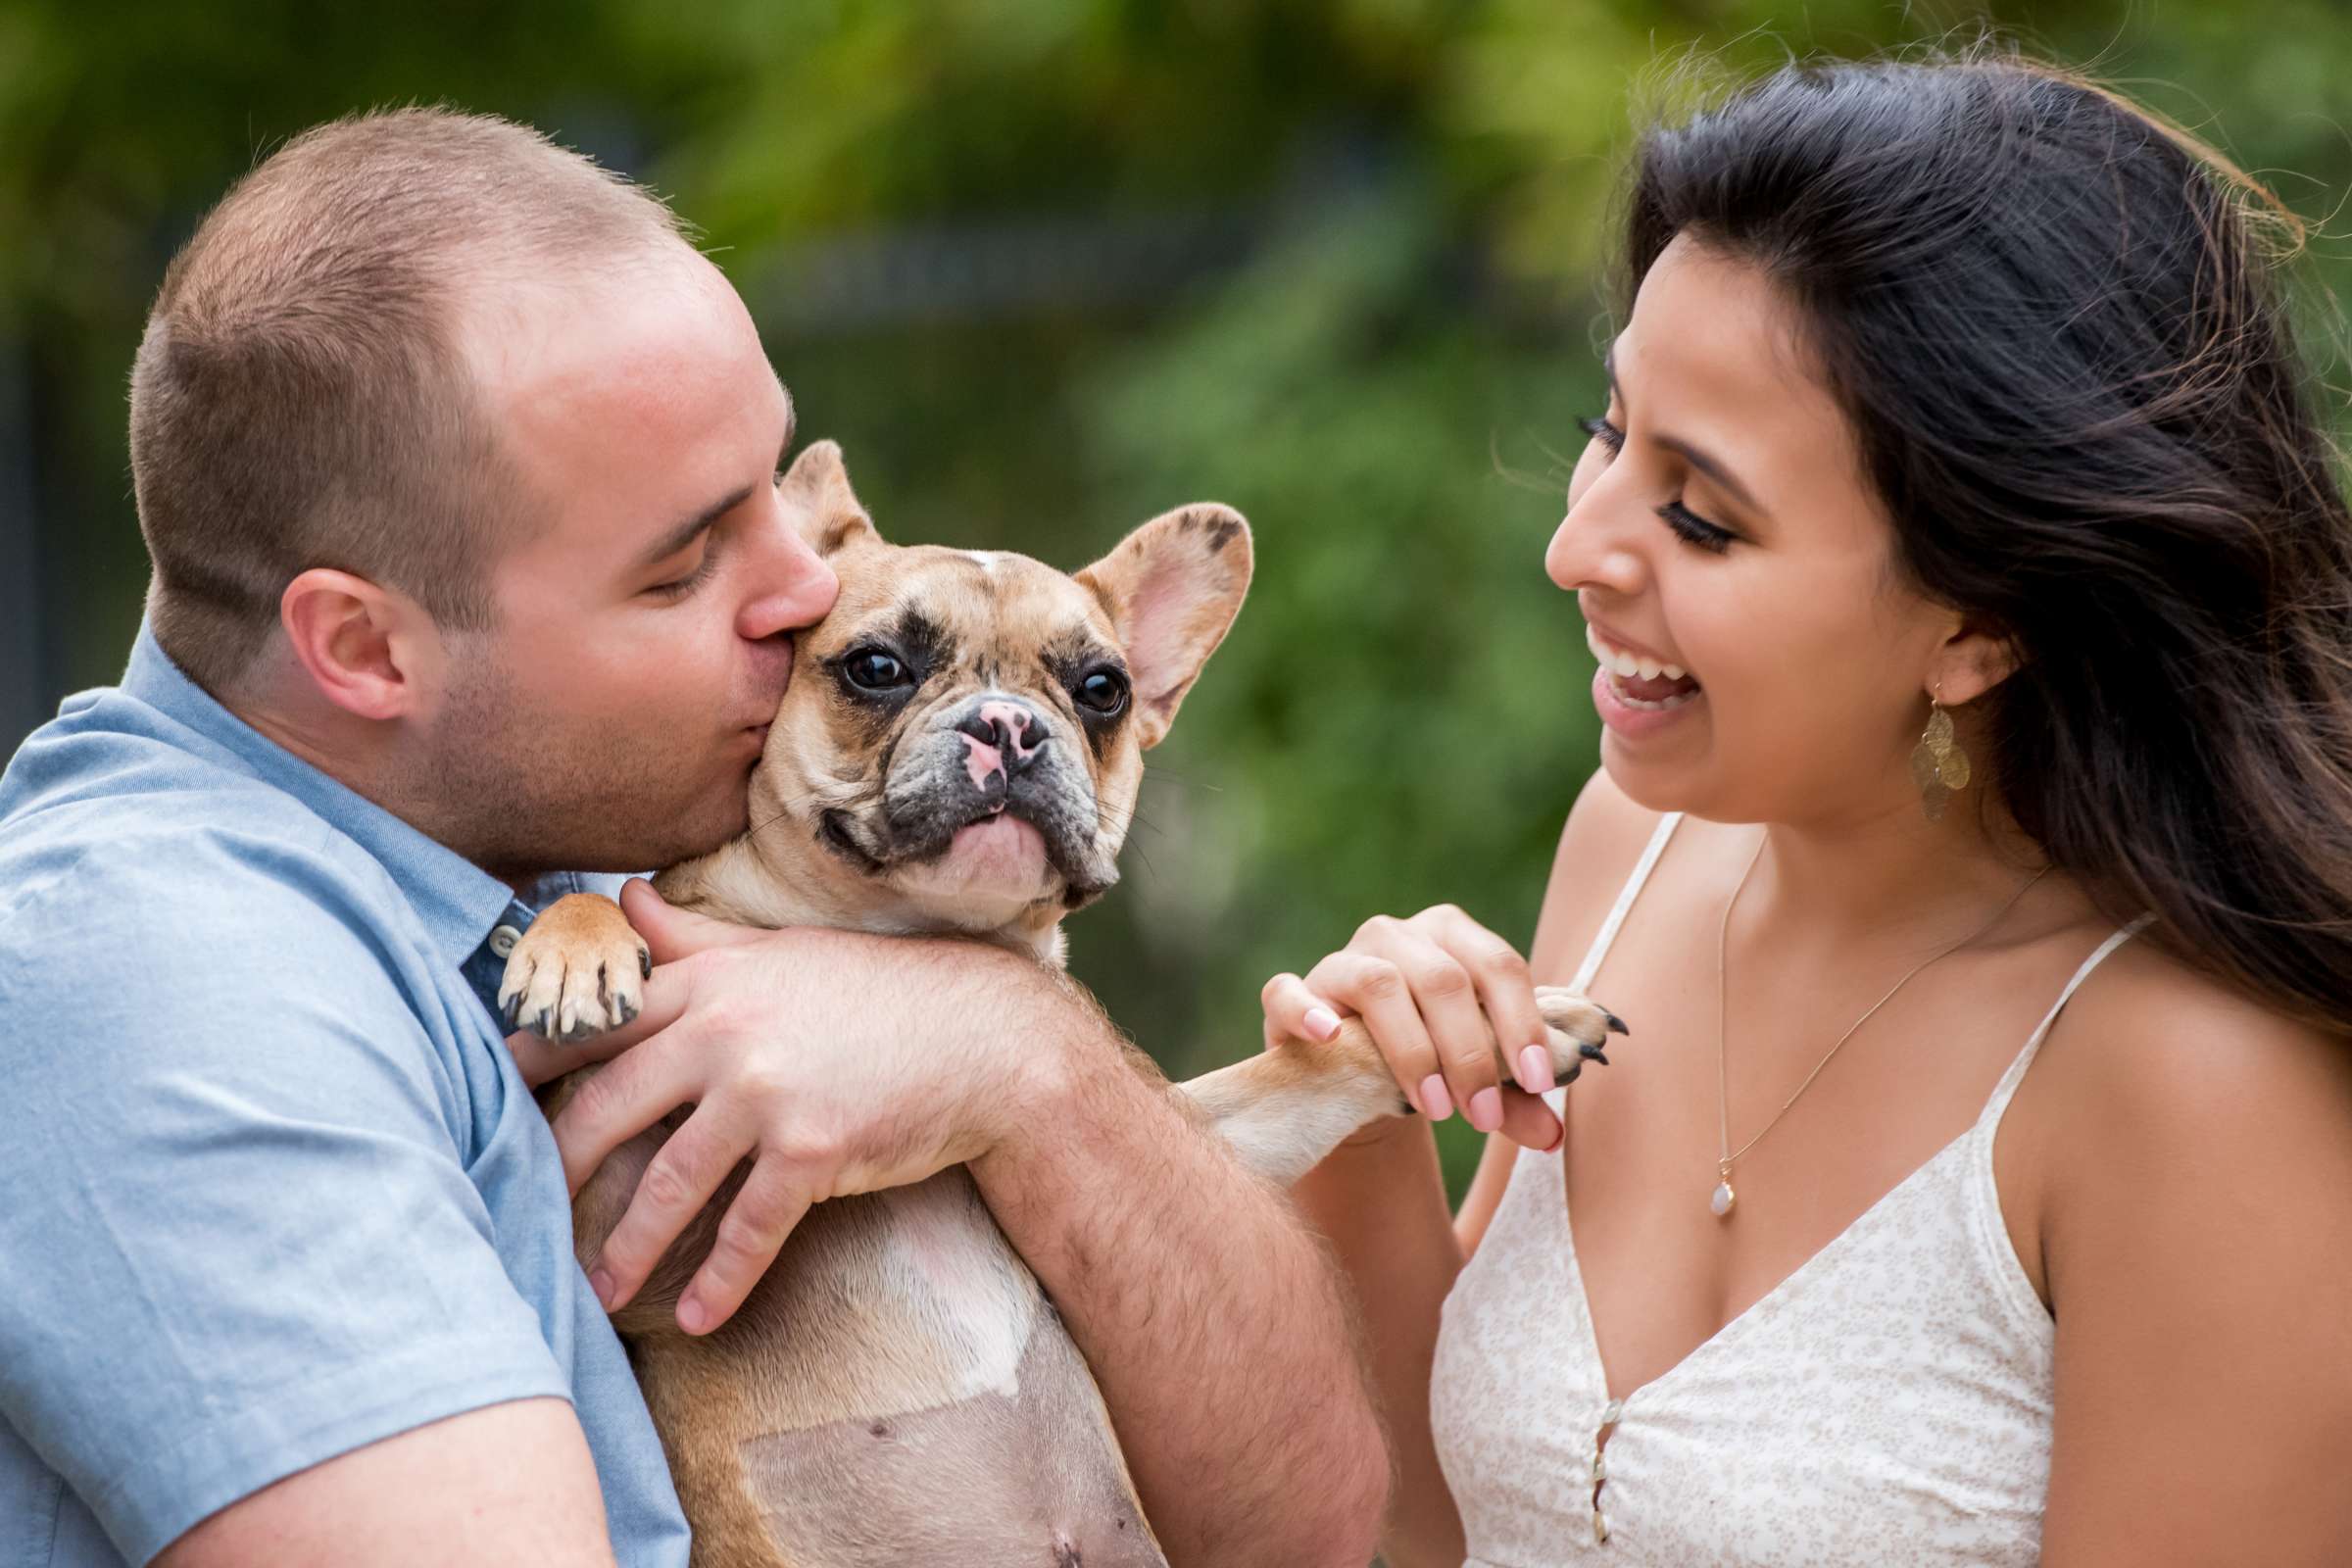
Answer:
(1697, 456)
(685, 533)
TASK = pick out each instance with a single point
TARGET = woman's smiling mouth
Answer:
(1641, 683)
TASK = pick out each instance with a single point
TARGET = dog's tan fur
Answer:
(897, 1390)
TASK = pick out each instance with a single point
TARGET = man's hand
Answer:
(835, 1062)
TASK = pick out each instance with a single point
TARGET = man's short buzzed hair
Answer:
(300, 398)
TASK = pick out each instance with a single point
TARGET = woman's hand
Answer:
(1438, 992)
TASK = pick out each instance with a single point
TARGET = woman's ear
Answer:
(1971, 661)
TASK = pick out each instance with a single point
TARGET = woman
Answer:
(1974, 592)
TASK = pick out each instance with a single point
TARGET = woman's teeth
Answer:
(1626, 665)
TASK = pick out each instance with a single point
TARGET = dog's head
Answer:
(962, 741)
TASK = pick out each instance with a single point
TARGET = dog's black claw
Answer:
(1575, 1071)
(544, 1025)
(1591, 1054)
(1616, 1024)
(628, 1010)
(514, 1006)
(645, 964)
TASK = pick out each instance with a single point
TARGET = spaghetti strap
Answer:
(1607, 934)
(2025, 1058)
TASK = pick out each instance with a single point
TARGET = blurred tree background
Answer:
(1045, 268)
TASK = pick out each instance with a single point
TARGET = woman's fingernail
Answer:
(602, 1283)
(1322, 1023)
(1486, 1109)
(691, 1316)
(1435, 1103)
(1560, 1136)
(1535, 1069)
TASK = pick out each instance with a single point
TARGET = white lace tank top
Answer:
(1889, 1403)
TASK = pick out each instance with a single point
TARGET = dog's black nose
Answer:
(1013, 737)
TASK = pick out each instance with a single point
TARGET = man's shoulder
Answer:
(113, 786)
(122, 847)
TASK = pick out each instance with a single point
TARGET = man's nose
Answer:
(796, 589)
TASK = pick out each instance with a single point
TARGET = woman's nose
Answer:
(1594, 548)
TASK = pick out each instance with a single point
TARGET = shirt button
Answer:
(502, 938)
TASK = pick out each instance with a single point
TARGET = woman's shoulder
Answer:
(2150, 1032)
(2203, 1097)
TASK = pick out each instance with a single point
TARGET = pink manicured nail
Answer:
(1320, 1023)
(1486, 1109)
(1435, 1103)
(1560, 1136)
(1535, 1069)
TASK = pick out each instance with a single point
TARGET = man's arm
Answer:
(508, 1484)
(1209, 1313)
(246, 1260)
(841, 1064)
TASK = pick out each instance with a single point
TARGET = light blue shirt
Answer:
(270, 1186)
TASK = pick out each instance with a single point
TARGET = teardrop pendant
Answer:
(1722, 1199)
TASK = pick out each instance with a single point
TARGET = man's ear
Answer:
(824, 507)
(368, 650)
(1172, 588)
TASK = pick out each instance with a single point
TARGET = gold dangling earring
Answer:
(1938, 765)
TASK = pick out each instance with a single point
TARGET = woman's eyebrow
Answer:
(1697, 456)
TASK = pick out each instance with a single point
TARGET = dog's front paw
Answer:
(579, 971)
(1575, 1029)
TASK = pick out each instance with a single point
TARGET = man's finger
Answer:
(636, 1089)
(676, 1183)
(674, 933)
(759, 1220)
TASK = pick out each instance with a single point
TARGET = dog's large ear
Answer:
(817, 489)
(1172, 588)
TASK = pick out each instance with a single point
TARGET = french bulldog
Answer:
(959, 751)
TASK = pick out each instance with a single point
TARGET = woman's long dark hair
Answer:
(2058, 329)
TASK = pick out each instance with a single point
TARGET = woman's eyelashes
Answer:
(1691, 529)
(1687, 525)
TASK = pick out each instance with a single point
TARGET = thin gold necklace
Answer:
(1722, 1199)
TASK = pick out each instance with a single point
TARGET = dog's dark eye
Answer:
(1103, 693)
(874, 669)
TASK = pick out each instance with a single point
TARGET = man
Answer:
(454, 464)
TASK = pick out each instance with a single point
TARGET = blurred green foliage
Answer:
(1049, 266)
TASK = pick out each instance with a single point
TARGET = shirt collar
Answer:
(458, 901)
